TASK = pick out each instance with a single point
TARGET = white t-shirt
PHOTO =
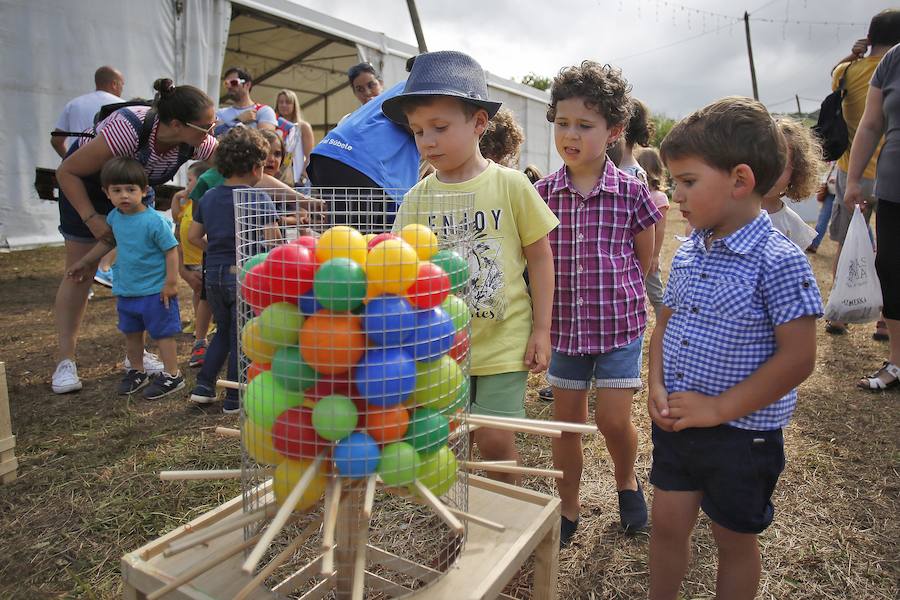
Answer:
(78, 115)
(229, 116)
(793, 226)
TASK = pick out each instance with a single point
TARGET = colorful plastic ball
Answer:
(285, 479)
(254, 346)
(264, 400)
(388, 320)
(459, 351)
(386, 425)
(356, 456)
(291, 267)
(428, 430)
(374, 239)
(340, 285)
(294, 436)
(331, 384)
(255, 368)
(308, 304)
(458, 310)
(290, 371)
(421, 238)
(256, 288)
(455, 266)
(392, 266)
(334, 417)
(279, 324)
(332, 343)
(437, 471)
(437, 383)
(399, 464)
(432, 336)
(250, 263)
(385, 376)
(306, 241)
(258, 442)
(461, 400)
(342, 242)
(431, 287)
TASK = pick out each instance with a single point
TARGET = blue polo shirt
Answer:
(142, 240)
(727, 301)
(216, 212)
(374, 145)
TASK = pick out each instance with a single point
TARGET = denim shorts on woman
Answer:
(619, 369)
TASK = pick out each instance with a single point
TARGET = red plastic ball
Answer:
(326, 385)
(255, 369)
(292, 268)
(256, 288)
(380, 238)
(460, 348)
(431, 286)
(306, 241)
(294, 436)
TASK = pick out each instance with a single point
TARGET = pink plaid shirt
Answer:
(599, 301)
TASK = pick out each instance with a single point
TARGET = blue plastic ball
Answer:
(308, 303)
(388, 319)
(356, 456)
(385, 376)
(432, 336)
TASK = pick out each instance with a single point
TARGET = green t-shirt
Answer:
(509, 215)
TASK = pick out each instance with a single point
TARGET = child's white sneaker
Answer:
(152, 364)
(65, 378)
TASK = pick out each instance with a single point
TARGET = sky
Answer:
(678, 56)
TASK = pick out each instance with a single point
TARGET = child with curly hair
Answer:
(502, 139)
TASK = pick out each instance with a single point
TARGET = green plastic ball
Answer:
(265, 399)
(437, 383)
(334, 417)
(279, 324)
(458, 311)
(437, 471)
(399, 464)
(455, 266)
(340, 285)
(428, 430)
(290, 371)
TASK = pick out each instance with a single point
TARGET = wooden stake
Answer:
(471, 466)
(438, 507)
(517, 427)
(230, 385)
(469, 517)
(332, 504)
(276, 562)
(214, 531)
(370, 496)
(560, 425)
(281, 516)
(201, 568)
(228, 432)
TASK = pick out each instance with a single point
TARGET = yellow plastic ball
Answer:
(342, 242)
(421, 238)
(392, 266)
(286, 476)
(254, 345)
(258, 443)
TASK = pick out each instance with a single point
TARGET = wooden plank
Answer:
(8, 443)
(321, 589)
(8, 463)
(546, 566)
(478, 466)
(385, 586)
(399, 564)
(225, 526)
(276, 562)
(300, 576)
(507, 489)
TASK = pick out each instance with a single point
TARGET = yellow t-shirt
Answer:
(509, 215)
(857, 86)
(192, 254)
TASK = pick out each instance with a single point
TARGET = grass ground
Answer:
(87, 491)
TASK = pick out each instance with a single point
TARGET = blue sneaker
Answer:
(231, 406)
(104, 278)
(203, 394)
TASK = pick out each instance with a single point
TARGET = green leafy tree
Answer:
(663, 125)
(537, 81)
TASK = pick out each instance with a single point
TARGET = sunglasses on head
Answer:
(234, 82)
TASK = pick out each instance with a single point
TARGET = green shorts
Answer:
(501, 395)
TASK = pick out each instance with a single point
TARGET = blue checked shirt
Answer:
(727, 301)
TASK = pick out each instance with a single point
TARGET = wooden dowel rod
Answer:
(560, 425)
(228, 432)
(332, 506)
(276, 562)
(471, 465)
(197, 475)
(281, 516)
(369, 497)
(214, 531)
(487, 523)
(230, 385)
(298, 577)
(438, 507)
(201, 568)
(511, 463)
(517, 427)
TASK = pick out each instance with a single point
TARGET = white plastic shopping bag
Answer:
(856, 295)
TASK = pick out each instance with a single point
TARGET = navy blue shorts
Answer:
(735, 469)
(148, 313)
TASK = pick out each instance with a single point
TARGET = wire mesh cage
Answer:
(354, 328)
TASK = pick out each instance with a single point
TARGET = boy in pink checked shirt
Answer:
(602, 250)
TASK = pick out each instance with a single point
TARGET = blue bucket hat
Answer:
(444, 73)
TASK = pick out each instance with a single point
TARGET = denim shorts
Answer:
(148, 313)
(619, 369)
(735, 469)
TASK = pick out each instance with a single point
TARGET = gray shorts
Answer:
(655, 289)
(840, 214)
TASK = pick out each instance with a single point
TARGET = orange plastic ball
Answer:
(332, 343)
(387, 425)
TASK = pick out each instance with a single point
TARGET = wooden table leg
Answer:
(546, 565)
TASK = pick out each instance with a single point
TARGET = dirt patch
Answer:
(88, 493)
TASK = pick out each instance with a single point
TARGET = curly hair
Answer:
(502, 139)
(640, 128)
(601, 86)
(804, 158)
(240, 151)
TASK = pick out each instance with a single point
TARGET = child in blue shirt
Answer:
(240, 158)
(145, 278)
(735, 337)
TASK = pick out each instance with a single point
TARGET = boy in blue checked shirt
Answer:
(735, 338)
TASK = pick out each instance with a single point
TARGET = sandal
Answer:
(875, 383)
(881, 332)
(835, 329)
